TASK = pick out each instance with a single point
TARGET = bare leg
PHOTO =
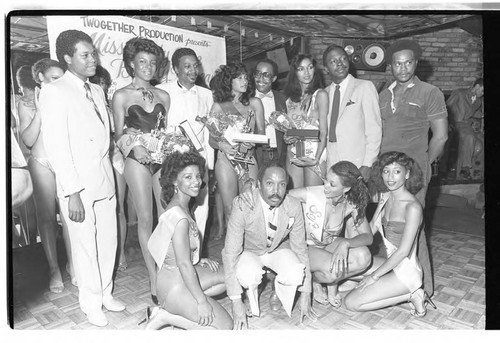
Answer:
(212, 283)
(219, 208)
(121, 188)
(387, 291)
(176, 298)
(44, 191)
(140, 183)
(227, 181)
(311, 178)
(296, 175)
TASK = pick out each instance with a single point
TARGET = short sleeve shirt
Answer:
(406, 128)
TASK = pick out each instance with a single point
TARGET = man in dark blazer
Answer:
(270, 234)
(265, 74)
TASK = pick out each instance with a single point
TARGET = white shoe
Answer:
(97, 318)
(111, 304)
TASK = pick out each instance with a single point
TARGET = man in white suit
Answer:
(355, 129)
(76, 132)
(188, 100)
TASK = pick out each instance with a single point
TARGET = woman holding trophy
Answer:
(234, 111)
(143, 109)
(307, 108)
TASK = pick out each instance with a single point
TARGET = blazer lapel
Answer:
(281, 227)
(346, 97)
(260, 221)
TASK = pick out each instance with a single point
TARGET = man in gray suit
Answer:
(270, 234)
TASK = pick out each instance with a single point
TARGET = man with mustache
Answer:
(409, 108)
(76, 134)
(270, 234)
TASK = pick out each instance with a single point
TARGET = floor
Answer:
(458, 261)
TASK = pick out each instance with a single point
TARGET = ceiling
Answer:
(251, 35)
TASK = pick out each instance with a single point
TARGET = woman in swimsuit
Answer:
(185, 282)
(328, 209)
(307, 105)
(44, 183)
(232, 90)
(142, 107)
(398, 218)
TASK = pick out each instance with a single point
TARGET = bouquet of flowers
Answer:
(227, 127)
(306, 135)
(162, 142)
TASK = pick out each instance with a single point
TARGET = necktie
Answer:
(271, 227)
(335, 114)
(88, 93)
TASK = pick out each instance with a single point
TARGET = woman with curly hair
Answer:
(398, 218)
(328, 209)
(232, 88)
(185, 282)
(141, 107)
(29, 79)
(307, 105)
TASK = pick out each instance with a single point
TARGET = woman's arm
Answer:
(118, 109)
(299, 193)
(322, 107)
(260, 123)
(413, 219)
(217, 143)
(30, 122)
(165, 100)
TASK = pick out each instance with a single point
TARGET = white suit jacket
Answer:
(76, 140)
(359, 126)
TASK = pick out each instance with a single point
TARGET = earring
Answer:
(176, 189)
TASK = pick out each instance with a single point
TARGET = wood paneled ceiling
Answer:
(250, 35)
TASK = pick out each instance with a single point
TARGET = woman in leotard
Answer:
(232, 88)
(186, 282)
(307, 105)
(398, 218)
(43, 72)
(142, 107)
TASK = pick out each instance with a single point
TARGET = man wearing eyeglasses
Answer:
(265, 74)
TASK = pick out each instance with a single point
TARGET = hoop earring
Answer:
(176, 189)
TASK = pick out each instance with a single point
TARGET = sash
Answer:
(314, 213)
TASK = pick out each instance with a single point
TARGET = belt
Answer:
(270, 149)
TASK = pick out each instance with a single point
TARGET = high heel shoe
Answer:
(154, 298)
(422, 298)
(158, 318)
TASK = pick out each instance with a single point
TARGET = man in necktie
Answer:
(271, 234)
(76, 133)
(265, 74)
(187, 100)
(354, 124)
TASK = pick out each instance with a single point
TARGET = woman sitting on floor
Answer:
(340, 203)
(185, 283)
(398, 218)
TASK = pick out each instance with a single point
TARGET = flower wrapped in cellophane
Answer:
(162, 142)
(233, 129)
(281, 121)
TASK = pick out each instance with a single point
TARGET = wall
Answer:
(451, 58)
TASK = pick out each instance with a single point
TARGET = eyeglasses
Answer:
(265, 75)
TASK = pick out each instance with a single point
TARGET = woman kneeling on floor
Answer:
(398, 218)
(185, 283)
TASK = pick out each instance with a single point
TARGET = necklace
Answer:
(146, 94)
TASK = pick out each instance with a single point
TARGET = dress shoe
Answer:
(113, 305)
(274, 301)
(97, 318)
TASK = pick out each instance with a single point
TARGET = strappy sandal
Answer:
(56, 286)
(319, 294)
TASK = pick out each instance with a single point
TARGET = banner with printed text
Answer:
(110, 33)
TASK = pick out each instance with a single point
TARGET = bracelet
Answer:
(375, 278)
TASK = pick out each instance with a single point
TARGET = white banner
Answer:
(110, 33)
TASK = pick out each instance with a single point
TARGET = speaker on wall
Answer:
(365, 54)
